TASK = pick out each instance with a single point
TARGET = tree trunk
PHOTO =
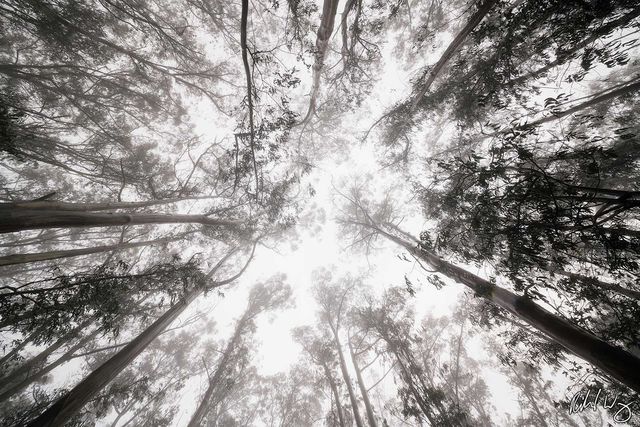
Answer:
(347, 380)
(613, 361)
(26, 382)
(214, 381)
(42, 357)
(51, 255)
(104, 206)
(65, 407)
(595, 34)
(12, 220)
(336, 395)
(363, 389)
(453, 47)
(14, 351)
(327, 22)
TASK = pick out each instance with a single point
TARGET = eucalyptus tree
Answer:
(363, 220)
(423, 397)
(236, 354)
(318, 347)
(69, 404)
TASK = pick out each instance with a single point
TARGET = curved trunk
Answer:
(327, 22)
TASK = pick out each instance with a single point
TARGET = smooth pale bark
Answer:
(31, 378)
(42, 357)
(70, 403)
(363, 389)
(347, 379)
(327, 22)
(453, 47)
(611, 360)
(65, 407)
(336, 395)
(247, 73)
(214, 381)
(12, 220)
(105, 206)
(51, 255)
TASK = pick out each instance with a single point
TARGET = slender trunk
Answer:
(51, 255)
(453, 47)
(524, 386)
(42, 357)
(327, 22)
(630, 293)
(14, 351)
(347, 380)
(633, 86)
(593, 36)
(363, 389)
(336, 395)
(613, 361)
(247, 72)
(65, 407)
(12, 220)
(26, 382)
(214, 382)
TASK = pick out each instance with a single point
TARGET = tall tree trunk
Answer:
(12, 220)
(65, 407)
(247, 72)
(14, 351)
(31, 378)
(347, 379)
(363, 389)
(42, 357)
(613, 361)
(327, 22)
(595, 34)
(453, 47)
(51, 255)
(336, 395)
(214, 381)
(100, 206)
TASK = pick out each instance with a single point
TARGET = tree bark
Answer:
(12, 220)
(65, 407)
(41, 357)
(214, 381)
(336, 395)
(613, 361)
(453, 47)
(30, 379)
(347, 380)
(51, 255)
(363, 389)
(327, 22)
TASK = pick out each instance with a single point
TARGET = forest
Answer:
(319, 213)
